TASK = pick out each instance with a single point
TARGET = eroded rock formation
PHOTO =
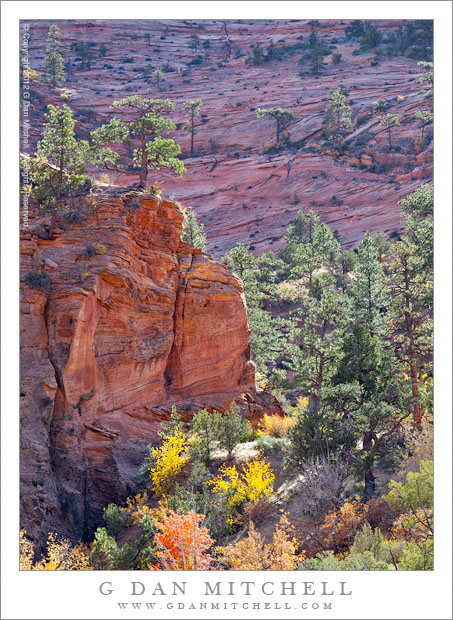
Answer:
(124, 333)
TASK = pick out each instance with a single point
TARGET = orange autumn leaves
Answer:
(182, 542)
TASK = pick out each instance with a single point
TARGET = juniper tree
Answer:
(144, 124)
(389, 121)
(281, 117)
(338, 117)
(193, 106)
(192, 231)
(53, 62)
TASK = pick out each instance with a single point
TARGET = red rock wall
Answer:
(120, 337)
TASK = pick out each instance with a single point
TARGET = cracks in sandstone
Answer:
(180, 298)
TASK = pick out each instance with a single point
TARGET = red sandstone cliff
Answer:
(120, 337)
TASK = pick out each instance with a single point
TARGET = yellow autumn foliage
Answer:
(137, 507)
(251, 553)
(275, 425)
(169, 460)
(253, 483)
(60, 555)
(26, 552)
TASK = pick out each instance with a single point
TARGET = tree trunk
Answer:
(192, 131)
(53, 221)
(370, 484)
(390, 139)
(412, 354)
(143, 164)
(278, 131)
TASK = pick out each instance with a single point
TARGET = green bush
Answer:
(354, 561)
(417, 492)
(270, 445)
(232, 428)
(114, 519)
(204, 429)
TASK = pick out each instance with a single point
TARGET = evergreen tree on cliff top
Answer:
(60, 163)
(192, 231)
(53, 62)
(145, 124)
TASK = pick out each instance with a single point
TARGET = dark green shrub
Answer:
(39, 280)
(90, 250)
(270, 445)
(232, 428)
(115, 520)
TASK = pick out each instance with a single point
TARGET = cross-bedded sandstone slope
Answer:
(240, 192)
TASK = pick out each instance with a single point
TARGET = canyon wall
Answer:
(119, 336)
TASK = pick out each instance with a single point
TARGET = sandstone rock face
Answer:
(146, 322)
(241, 192)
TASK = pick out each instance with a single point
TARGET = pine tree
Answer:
(281, 117)
(364, 408)
(156, 78)
(369, 290)
(53, 62)
(267, 340)
(411, 287)
(192, 231)
(311, 247)
(389, 121)
(338, 117)
(315, 340)
(61, 160)
(193, 105)
(145, 128)
(425, 117)
(316, 60)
